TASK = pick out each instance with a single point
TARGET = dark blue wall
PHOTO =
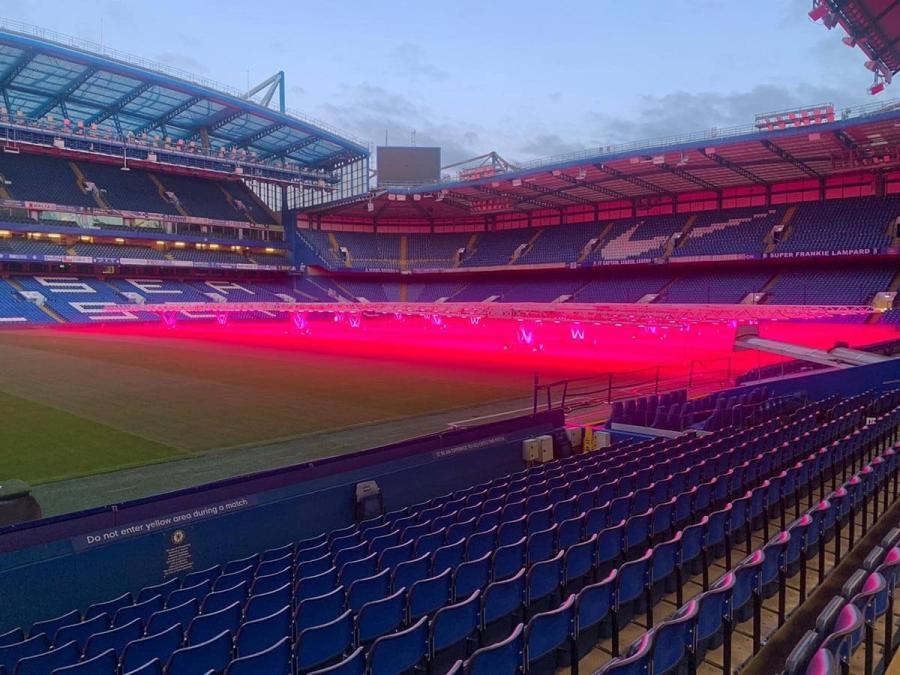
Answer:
(48, 567)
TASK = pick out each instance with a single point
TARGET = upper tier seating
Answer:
(629, 288)
(728, 288)
(129, 190)
(733, 231)
(604, 536)
(642, 238)
(842, 225)
(42, 179)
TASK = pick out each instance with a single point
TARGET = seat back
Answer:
(370, 588)
(399, 652)
(502, 598)
(674, 637)
(59, 657)
(207, 626)
(158, 646)
(320, 645)
(213, 654)
(104, 663)
(549, 631)
(355, 664)
(380, 617)
(260, 634)
(429, 595)
(114, 639)
(320, 609)
(501, 658)
(276, 660)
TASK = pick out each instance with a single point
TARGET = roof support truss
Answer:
(112, 110)
(249, 139)
(60, 98)
(788, 157)
(558, 192)
(160, 122)
(294, 147)
(593, 187)
(689, 177)
(845, 140)
(731, 166)
(634, 180)
(517, 199)
(13, 71)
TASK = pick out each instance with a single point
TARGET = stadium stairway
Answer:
(230, 199)
(162, 195)
(685, 232)
(45, 308)
(4, 192)
(404, 252)
(81, 179)
(522, 250)
(785, 224)
(599, 241)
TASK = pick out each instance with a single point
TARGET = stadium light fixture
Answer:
(871, 65)
(849, 40)
(876, 88)
(818, 12)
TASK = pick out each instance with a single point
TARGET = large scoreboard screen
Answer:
(399, 165)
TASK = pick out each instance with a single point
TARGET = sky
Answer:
(526, 78)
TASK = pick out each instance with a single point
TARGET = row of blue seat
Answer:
(272, 557)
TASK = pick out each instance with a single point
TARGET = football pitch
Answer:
(77, 403)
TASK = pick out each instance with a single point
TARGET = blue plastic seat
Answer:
(501, 603)
(712, 613)
(12, 636)
(571, 532)
(325, 644)
(104, 663)
(400, 652)
(158, 646)
(631, 585)
(316, 585)
(110, 607)
(471, 576)
(141, 611)
(11, 653)
(593, 615)
(481, 542)
(114, 639)
(429, 542)
(66, 654)
(214, 654)
(152, 667)
(501, 658)
(366, 590)
(394, 555)
(266, 604)
(405, 574)
(451, 630)
(380, 617)
(664, 569)
(548, 632)
(196, 592)
(209, 574)
(541, 545)
(313, 566)
(636, 662)
(221, 599)
(673, 639)
(162, 589)
(321, 609)
(277, 553)
(232, 579)
(274, 565)
(429, 595)
(542, 583)
(260, 634)
(80, 632)
(450, 556)
(510, 531)
(179, 614)
(578, 563)
(355, 664)
(610, 548)
(207, 626)
(846, 634)
(350, 554)
(276, 660)
(251, 561)
(508, 560)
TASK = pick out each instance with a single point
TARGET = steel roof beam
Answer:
(788, 157)
(845, 140)
(113, 109)
(558, 192)
(518, 199)
(594, 187)
(731, 166)
(634, 180)
(293, 147)
(250, 139)
(171, 114)
(689, 177)
(60, 97)
(16, 67)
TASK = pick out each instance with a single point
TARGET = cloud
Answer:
(410, 59)
(549, 144)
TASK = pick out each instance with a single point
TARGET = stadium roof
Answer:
(873, 25)
(41, 77)
(867, 138)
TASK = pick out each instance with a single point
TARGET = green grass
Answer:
(78, 403)
(41, 444)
